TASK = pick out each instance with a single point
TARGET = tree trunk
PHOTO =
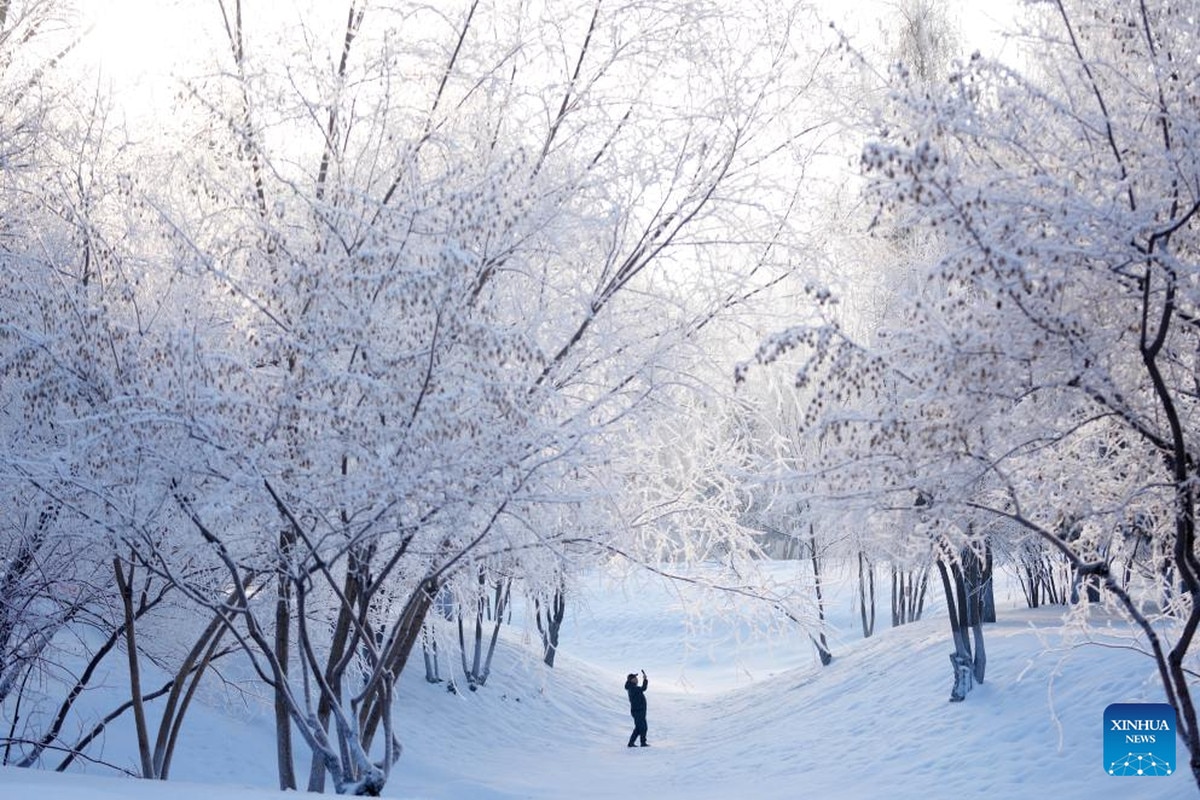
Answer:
(550, 626)
(477, 652)
(988, 587)
(395, 655)
(819, 640)
(909, 587)
(480, 666)
(462, 647)
(503, 595)
(956, 601)
(283, 723)
(334, 666)
(429, 651)
(125, 587)
(866, 594)
(974, 577)
(163, 760)
(898, 593)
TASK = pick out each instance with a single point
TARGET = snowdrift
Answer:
(732, 715)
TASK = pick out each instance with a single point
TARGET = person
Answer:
(637, 706)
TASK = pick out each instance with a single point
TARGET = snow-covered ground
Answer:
(732, 715)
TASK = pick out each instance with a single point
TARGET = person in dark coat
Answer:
(637, 706)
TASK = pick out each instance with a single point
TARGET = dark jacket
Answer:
(637, 695)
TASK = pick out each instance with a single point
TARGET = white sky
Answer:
(979, 22)
(140, 41)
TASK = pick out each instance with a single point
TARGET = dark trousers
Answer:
(639, 727)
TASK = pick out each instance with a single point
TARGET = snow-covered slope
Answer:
(731, 716)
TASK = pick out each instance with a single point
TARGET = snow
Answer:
(734, 712)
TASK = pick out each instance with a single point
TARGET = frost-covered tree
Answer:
(1052, 383)
(59, 617)
(373, 303)
(779, 493)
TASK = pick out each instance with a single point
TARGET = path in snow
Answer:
(874, 722)
(731, 716)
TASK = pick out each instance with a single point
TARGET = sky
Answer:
(732, 714)
(979, 24)
(139, 43)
